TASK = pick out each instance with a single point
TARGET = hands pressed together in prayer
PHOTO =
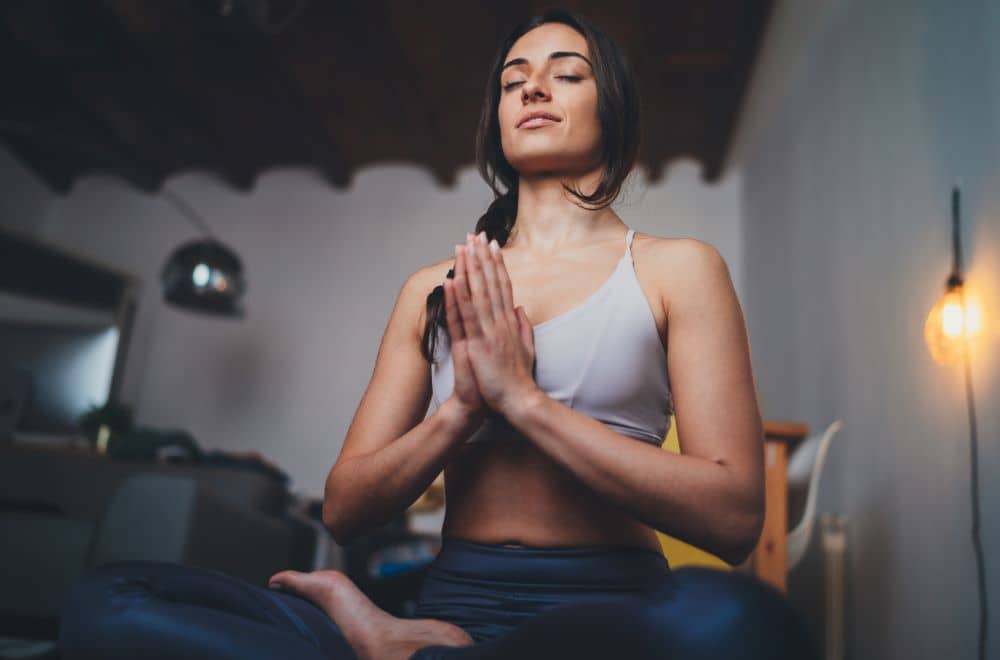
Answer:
(493, 355)
(492, 344)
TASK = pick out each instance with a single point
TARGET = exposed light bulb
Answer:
(957, 314)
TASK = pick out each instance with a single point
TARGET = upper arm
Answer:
(399, 391)
(708, 356)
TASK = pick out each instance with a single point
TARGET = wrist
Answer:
(524, 404)
(459, 416)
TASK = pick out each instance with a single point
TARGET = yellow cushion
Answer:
(677, 552)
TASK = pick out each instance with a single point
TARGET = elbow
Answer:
(738, 553)
(744, 537)
(334, 524)
(330, 521)
(334, 518)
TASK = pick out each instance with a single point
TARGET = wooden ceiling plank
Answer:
(450, 68)
(313, 142)
(337, 63)
(219, 85)
(746, 34)
(147, 89)
(48, 169)
(64, 67)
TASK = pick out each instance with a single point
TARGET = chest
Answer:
(559, 292)
(604, 355)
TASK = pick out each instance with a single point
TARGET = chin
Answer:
(536, 161)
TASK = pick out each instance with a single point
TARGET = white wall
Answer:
(323, 268)
(862, 116)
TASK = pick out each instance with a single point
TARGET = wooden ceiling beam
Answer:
(69, 80)
(746, 24)
(217, 83)
(149, 89)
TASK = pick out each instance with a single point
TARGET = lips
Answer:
(540, 118)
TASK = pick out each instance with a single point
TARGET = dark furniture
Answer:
(64, 511)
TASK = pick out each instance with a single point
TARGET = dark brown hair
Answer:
(618, 114)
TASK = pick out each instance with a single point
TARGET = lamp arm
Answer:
(187, 211)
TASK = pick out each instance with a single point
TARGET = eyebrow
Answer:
(553, 56)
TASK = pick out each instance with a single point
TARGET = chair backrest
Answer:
(805, 466)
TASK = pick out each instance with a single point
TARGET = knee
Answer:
(97, 608)
(708, 613)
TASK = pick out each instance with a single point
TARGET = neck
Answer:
(549, 219)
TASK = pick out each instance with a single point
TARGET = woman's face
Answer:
(548, 71)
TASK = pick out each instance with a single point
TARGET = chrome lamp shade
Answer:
(204, 276)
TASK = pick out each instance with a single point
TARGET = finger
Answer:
(524, 326)
(504, 284)
(463, 296)
(454, 319)
(487, 261)
(459, 354)
(477, 287)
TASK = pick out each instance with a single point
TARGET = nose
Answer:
(532, 89)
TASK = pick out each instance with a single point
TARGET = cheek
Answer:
(502, 112)
(586, 109)
(506, 115)
(583, 133)
(504, 131)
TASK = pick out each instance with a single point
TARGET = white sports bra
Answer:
(603, 358)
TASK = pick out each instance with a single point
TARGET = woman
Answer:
(555, 476)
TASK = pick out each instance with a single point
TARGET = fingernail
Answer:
(457, 248)
(494, 246)
(482, 238)
(472, 249)
(275, 585)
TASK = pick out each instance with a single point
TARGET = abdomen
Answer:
(508, 491)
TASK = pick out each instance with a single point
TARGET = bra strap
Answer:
(629, 235)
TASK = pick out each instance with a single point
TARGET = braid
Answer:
(497, 222)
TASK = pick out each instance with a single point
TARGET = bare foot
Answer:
(373, 633)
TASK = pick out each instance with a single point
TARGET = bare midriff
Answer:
(508, 492)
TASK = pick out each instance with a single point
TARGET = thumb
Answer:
(524, 326)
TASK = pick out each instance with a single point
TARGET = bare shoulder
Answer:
(431, 275)
(687, 266)
(419, 285)
(680, 251)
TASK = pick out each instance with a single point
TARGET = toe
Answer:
(281, 579)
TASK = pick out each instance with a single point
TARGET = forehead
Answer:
(535, 45)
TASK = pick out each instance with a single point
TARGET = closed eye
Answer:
(515, 83)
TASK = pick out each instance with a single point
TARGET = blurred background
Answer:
(328, 146)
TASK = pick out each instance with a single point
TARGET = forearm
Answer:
(365, 492)
(690, 498)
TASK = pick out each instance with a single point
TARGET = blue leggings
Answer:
(584, 602)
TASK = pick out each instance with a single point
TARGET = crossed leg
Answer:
(695, 614)
(159, 610)
(164, 611)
